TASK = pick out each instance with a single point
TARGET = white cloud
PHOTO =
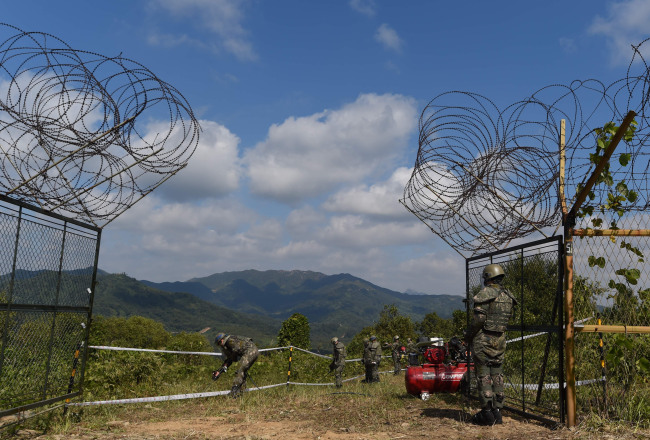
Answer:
(443, 271)
(309, 156)
(220, 17)
(626, 23)
(380, 199)
(355, 231)
(213, 171)
(388, 37)
(366, 7)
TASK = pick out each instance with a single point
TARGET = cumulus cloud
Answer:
(388, 37)
(220, 17)
(213, 171)
(380, 199)
(366, 7)
(309, 156)
(626, 23)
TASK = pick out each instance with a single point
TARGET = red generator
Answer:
(444, 369)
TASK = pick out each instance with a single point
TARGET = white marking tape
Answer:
(552, 386)
(521, 338)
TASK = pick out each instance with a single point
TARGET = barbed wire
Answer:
(83, 134)
(485, 178)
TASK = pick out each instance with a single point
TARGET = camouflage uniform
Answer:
(366, 360)
(374, 359)
(239, 348)
(396, 354)
(412, 352)
(338, 362)
(492, 310)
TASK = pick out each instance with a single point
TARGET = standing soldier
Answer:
(374, 355)
(396, 353)
(236, 348)
(412, 352)
(338, 361)
(492, 310)
(366, 360)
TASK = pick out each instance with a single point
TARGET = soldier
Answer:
(236, 348)
(492, 310)
(338, 361)
(366, 360)
(396, 354)
(412, 352)
(374, 357)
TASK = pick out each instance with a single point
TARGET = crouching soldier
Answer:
(338, 363)
(236, 348)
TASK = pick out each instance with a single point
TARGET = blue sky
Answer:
(309, 118)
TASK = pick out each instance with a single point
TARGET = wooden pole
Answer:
(569, 347)
(569, 223)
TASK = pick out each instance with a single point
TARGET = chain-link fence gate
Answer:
(534, 360)
(48, 266)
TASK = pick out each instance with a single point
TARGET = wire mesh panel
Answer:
(48, 265)
(533, 366)
(612, 287)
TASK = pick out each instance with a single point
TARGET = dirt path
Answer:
(379, 412)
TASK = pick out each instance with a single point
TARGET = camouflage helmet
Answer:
(491, 271)
(395, 338)
(335, 340)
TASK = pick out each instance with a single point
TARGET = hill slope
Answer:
(120, 295)
(334, 304)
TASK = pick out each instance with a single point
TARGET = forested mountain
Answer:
(120, 295)
(338, 305)
(253, 303)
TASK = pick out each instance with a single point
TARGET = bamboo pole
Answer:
(612, 329)
(611, 232)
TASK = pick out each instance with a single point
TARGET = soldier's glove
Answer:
(216, 374)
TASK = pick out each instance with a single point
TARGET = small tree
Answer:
(391, 323)
(295, 331)
(433, 325)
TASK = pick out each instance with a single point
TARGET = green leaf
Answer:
(643, 365)
(624, 159)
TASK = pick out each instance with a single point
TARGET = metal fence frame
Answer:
(48, 271)
(476, 264)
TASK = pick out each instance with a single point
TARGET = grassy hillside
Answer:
(120, 295)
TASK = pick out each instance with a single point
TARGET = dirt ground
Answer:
(360, 412)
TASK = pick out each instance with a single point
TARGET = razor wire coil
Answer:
(83, 134)
(486, 177)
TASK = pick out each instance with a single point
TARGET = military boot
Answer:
(235, 392)
(484, 417)
(498, 418)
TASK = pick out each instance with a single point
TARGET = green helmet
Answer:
(219, 337)
(492, 271)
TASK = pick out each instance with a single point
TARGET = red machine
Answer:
(444, 369)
